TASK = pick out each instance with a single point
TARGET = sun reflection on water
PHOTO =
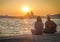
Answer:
(26, 29)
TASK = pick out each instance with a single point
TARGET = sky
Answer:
(39, 7)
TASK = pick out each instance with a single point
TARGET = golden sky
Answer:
(39, 7)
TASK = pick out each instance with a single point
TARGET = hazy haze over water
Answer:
(10, 27)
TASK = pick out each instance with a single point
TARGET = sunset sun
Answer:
(26, 9)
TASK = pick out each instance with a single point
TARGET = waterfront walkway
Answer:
(32, 38)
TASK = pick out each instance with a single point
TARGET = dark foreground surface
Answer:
(32, 38)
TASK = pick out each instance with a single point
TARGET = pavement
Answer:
(32, 38)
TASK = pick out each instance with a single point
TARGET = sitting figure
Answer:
(50, 26)
(38, 27)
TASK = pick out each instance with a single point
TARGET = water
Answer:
(10, 27)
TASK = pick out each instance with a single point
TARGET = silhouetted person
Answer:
(38, 27)
(50, 26)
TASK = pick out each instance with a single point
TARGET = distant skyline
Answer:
(39, 7)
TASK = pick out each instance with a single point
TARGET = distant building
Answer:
(30, 15)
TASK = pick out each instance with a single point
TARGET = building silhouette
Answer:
(30, 14)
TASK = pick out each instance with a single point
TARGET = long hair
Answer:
(39, 19)
(48, 18)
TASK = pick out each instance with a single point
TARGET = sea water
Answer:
(10, 26)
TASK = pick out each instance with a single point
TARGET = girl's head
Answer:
(39, 19)
(48, 18)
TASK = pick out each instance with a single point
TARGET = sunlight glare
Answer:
(25, 9)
